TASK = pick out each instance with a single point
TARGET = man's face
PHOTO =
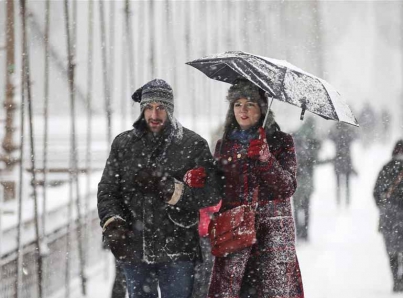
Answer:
(156, 116)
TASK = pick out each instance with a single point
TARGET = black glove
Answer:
(154, 180)
(146, 179)
(119, 239)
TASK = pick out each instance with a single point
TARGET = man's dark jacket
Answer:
(162, 232)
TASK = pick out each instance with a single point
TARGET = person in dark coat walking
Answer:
(307, 147)
(343, 136)
(388, 194)
(385, 125)
(267, 165)
(369, 121)
(157, 177)
(119, 288)
(203, 269)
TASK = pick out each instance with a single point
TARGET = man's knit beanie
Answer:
(157, 91)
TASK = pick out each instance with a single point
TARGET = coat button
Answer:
(239, 155)
(229, 158)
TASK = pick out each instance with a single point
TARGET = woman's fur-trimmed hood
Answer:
(245, 89)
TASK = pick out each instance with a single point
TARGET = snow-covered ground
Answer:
(345, 256)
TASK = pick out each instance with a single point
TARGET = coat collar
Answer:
(173, 132)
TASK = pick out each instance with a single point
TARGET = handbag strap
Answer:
(394, 185)
(255, 197)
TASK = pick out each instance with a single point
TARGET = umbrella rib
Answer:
(218, 70)
(234, 67)
(331, 102)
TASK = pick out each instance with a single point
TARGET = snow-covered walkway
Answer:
(345, 255)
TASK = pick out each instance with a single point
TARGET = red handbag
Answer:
(233, 229)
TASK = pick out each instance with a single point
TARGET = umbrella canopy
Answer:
(281, 80)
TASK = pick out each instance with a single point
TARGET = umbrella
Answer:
(281, 80)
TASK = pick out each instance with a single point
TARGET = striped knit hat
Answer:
(157, 91)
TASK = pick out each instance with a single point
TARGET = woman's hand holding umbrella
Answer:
(258, 148)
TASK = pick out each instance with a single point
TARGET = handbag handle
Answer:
(255, 197)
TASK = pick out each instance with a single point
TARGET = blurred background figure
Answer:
(119, 283)
(307, 147)
(388, 194)
(368, 125)
(343, 136)
(203, 269)
(385, 127)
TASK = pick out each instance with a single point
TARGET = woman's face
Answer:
(247, 113)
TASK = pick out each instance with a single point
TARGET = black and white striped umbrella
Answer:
(281, 80)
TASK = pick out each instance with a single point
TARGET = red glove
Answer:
(258, 148)
(195, 177)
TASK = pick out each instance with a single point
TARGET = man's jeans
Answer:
(175, 279)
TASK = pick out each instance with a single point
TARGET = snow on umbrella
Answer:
(281, 80)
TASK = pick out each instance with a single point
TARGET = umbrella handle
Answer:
(262, 133)
(302, 114)
(267, 114)
(303, 107)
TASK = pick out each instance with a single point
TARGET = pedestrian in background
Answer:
(388, 194)
(119, 288)
(386, 125)
(369, 122)
(307, 147)
(203, 268)
(343, 136)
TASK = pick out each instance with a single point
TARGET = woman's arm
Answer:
(277, 176)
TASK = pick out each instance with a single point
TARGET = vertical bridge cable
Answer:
(46, 118)
(105, 72)
(26, 71)
(73, 179)
(89, 122)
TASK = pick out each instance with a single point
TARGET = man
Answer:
(157, 177)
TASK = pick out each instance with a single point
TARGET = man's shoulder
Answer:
(125, 134)
(190, 135)
(123, 137)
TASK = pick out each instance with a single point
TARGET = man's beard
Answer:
(161, 124)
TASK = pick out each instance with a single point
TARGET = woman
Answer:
(270, 267)
(388, 194)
